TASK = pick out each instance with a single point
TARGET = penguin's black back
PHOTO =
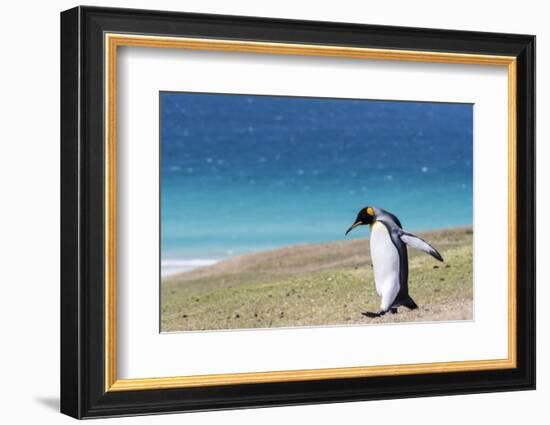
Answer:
(395, 228)
(403, 297)
(403, 294)
(394, 218)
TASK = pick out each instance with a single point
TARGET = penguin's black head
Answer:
(365, 216)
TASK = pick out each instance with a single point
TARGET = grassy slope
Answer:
(317, 284)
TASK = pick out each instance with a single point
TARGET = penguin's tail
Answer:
(409, 303)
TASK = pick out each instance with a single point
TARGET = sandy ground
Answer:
(317, 284)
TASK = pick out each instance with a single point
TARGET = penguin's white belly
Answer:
(385, 263)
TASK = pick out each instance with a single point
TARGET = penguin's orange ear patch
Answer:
(370, 211)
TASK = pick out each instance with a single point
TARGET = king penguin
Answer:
(388, 249)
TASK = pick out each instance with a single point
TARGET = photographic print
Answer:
(255, 183)
(280, 211)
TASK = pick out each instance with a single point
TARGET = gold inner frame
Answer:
(113, 41)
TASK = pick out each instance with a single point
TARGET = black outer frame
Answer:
(82, 219)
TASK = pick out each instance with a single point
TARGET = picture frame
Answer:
(90, 40)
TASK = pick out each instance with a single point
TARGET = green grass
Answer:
(323, 284)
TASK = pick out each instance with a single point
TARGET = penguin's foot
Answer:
(393, 310)
(372, 315)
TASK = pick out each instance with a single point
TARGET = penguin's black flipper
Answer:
(409, 303)
(419, 243)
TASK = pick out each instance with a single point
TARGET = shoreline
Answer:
(176, 266)
(190, 265)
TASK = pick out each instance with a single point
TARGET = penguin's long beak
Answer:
(357, 223)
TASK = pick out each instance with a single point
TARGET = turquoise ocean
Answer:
(246, 173)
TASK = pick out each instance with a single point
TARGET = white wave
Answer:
(171, 266)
